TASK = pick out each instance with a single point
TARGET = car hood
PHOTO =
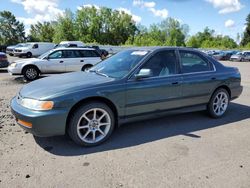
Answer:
(57, 85)
(11, 47)
(30, 60)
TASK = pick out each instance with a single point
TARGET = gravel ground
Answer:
(187, 150)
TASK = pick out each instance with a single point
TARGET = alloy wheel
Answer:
(31, 73)
(220, 103)
(94, 125)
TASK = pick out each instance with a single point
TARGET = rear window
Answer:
(193, 62)
(89, 53)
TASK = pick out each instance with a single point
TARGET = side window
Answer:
(89, 53)
(68, 54)
(162, 64)
(56, 55)
(35, 46)
(193, 62)
(78, 54)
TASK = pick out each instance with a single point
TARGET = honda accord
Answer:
(132, 85)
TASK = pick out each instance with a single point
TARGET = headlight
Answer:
(13, 65)
(36, 104)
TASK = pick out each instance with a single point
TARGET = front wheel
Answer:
(218, 103)
(91, 124)
(29, 55)
(30, 73)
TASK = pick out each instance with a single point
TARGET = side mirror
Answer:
(144, 73)
(46, 58)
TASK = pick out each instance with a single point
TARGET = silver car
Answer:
(58, 60)
(241, 56)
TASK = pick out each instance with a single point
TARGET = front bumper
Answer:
(9, 51)
(44, 123)
(14, 70)
(19, 53)
(236, 92)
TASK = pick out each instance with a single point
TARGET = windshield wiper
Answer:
(99, 73)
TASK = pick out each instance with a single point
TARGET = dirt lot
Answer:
(188, 150)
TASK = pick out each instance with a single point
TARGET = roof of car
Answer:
(152, 48)
(73, 48)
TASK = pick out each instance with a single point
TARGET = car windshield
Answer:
(26, 45)
(120, 64)
(20, 45)
(44, 55)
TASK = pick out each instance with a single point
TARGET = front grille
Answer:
(18, 50)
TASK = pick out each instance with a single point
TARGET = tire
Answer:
(86, 67)
(218, 103)
(30, 73)
(85, 129)
(29, 55)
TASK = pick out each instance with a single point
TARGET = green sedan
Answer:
(132, 85)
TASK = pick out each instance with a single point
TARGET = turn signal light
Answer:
(24, 123)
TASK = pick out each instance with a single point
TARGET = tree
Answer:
(208, 39)
(104, 25)
(65, 27)
(246, 36)
(169, 32)
(11, 30)
(193, 42)
(43, 32)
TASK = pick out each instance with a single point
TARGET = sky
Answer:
(226, 17)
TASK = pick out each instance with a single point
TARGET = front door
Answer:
(161, 91)
(55, 63)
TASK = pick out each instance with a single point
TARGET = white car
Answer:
(67, 44)
(58, 60)
(33, 49)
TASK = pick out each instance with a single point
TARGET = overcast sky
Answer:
(226, 17)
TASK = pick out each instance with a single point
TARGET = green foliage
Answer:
(168, 33)
(104, 26)
(193, 42)
(43, 32)
(107, 26)
(246, 36)
(11, 30)
(208, 39)
(65, 28)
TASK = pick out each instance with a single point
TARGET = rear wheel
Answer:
(30, 73)
(91, 124)
(218, 103)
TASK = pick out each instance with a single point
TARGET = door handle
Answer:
(60, 61)
(175, 83)
(82, 61)
(213, 78)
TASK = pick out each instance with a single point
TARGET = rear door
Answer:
(73, 60)
(91, 56)
(199, 78)
(79, 58)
